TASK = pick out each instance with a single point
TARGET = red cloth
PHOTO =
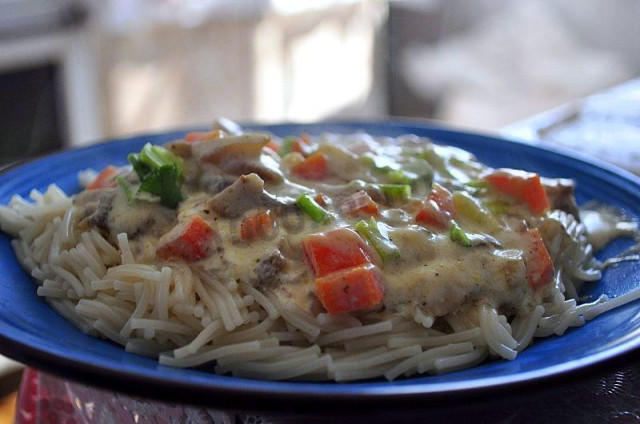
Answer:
(45, 399)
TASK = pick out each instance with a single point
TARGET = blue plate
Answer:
(31, 332)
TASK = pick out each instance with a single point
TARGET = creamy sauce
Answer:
(432, 271)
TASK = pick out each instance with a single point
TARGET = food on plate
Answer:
(339, 257)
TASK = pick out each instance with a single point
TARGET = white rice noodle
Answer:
(426, 320)
(262, 300)
(354, 333)
(330, 323)
(245, 334)
(125, 250)
(459, 362)
(140, 311)
(94, 309)
(11, 221)
(210, 355)
(610, 304)
(66, 308)
(343, 370)
(188, 317)
(161, 307)
(227, 300)
(525, 328)
(296, 317)
(474, 335)
(310, 366)
(205, 336)
(109, 332)
(425, 360)
(159, 325)
(499, 339)
(108, 253)
(215, 306)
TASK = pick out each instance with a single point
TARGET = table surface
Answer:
(606, 125)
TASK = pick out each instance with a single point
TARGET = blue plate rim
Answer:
(310, 396)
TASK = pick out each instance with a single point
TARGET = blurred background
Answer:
(76, 71)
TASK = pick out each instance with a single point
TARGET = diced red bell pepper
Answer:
(256, 226)
(438, 209)
(521, 185)
(303, 145)
(105, 179)
(315, 167)
(194, 136)
(189, 240)
(350, 290)
(273, 146)
(444, 199)
(431, 216)
(335, 250)
(359, 203)
(540, 270)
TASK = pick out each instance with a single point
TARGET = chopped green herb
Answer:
(287, 145)
(458, 235)
(164, 182)
(157, 156)
(133, 193)
(377, 234)
(396, 192)
(128, 191)
(141, 168)
(401, 177)
(160, 173)
(313, 209)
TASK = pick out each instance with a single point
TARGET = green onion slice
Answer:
(313, 209)
(377, 234)
(458, 235)
(396, 192)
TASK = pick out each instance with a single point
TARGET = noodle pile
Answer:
(186, 318)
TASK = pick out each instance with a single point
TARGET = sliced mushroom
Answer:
(265, 167)
(246, 193)
(216, 151)
(214, 183)
(239, 197)
(241, 154)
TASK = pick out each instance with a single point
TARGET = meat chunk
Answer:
(269, 268)
(246, 193)
(241, 154)
(265, 166)
(214, 183)
(239, 197)
(99, 218)
(93, 207)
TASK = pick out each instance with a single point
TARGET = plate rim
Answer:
(308, 400)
